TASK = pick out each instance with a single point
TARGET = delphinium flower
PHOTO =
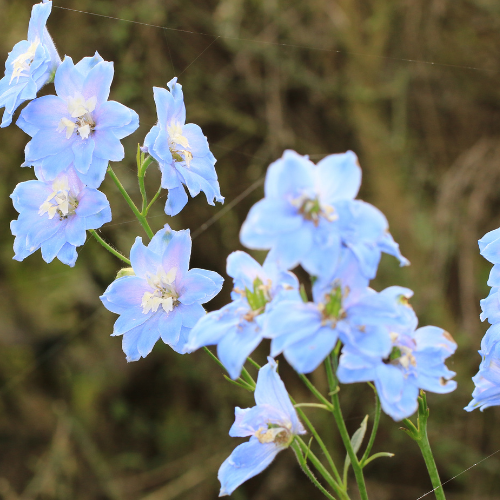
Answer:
(239, 327)
(55, 215)
(160, 297)
(487, 380)
(181, 151)
(272, 425)
(30, 65)
(344, 308)
(78, 125)
(309, 213)
(415, 361)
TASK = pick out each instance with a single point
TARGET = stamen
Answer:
(61, 201)
(23, 62)
(163, 294)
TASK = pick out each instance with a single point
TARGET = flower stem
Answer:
(108, 247)
(419, 434)
(141, 218)
(303, 464)
(155, 197)
(369, 446)
(142, 166)
(315, 391)
(339, 419)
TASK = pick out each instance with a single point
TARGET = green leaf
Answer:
(378, 455)
(356, 441)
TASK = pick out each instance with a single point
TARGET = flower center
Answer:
(311, 209)
(179, 144)
(21, 64)
(257, 299)
(79, 109)
(402, 352)
(331, 309)
(164, 293)
(279, 434)
(61, 201)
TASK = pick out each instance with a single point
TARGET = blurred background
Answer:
(411, 86)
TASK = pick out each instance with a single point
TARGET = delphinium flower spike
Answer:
(181, 151)
(30, 65)
(160, 296)
(271, 425)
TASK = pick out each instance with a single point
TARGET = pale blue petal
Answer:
(244, 269)
(161, 240)
(90, 202)
(494, 278)
(76, 231)
(96, 172)
(307, 354)
(98, 220)
(169, 326)
(234, 348)
(30, 195)
(47, 142)
(290, 248)
(212, 275)
(150, 334)
(87, 63)
(338, 177)
(126, 293)
(198, 143)
(179, 110)
(246, 461)
(144, 261)
(83, 150)
(176, 201)
(250, 420)
(178, 253)
(130, 319)
(68, 255)
(180, 346)
(196, 288)
(39, 15)
(165, 106)
(68, 80)
(98, 82)
(190, 314)
(45, 112)
(52, 246)
(108, 146)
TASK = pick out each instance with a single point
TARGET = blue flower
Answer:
(272, 425)
(343, 308)
(163, 298)
(487, 380)
(239, 327)
(55, 215)
(181, 150)
(416, 361)
(309, 213)
(78, 125)
(30, 65)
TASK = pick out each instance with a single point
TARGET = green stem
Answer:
(321, 443)
(142, 166)
(369, 447)
(339, 419)
(419, 434)
(303, 464)
(141, 218)
(108, 247)
(315, 391)
(155, 197)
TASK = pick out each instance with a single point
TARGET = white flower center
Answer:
(61, 201)
(22, 63)
(279, 434)
(178, 144)
(402, 351)
(81, 110)
(163, 294)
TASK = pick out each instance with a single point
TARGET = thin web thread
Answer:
(459, 474)
(291, 45)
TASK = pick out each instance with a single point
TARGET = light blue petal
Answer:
(290, 248)
(247, 422)
(96, 172)
(234, 348)
(90, 202)
(180, 346)
(98, 220)
(178, 253)
(169, 326)
(161, 240)
(494, 278)
(338, 177)
(307, 354)
(130, 319)
(165, 106)
(176, 201)
(179, 111)
(198, 143)
(246, 461)
(83, 150)
(289, 177)
(30, 195)
(112, 114)
(47, 142)
(190, 314)
(196, 288)
(51, 166)
(150, 334)
(76, 231)
(87, 63)
(68, 80)
(98, 82)
(212, 327)
(68, 255)
(39, 15)
(270, 390)
(45, 112)
(244, 269)
(212, 275)
(126, 293)
(144, 261)
(52, 246)
(108, 146)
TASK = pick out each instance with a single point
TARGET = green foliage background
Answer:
(322, 76)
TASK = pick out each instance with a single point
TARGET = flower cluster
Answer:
(487, 382)
(310, 216)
